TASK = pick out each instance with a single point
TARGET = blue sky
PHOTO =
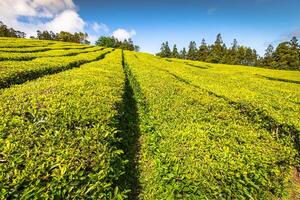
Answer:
(254, 23)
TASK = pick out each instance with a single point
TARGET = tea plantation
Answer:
(87, 122)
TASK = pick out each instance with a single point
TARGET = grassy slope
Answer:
(194, 140)
(59, 134)
(195, 130)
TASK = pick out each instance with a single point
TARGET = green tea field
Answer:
(88, 122)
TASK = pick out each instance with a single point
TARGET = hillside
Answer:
(80, 121)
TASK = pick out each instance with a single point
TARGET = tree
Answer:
(45, 35)
(63, 36)
(10, 32)
(239, 56)
(183, 53)
(250, 57)
(80, 38)
(126, 44)
(162, 48)
(218, 51)
(234, 45)
(286, 57)
(113, 42)
(165, 51)
(203, 51)
(106, 41)
(269, 56)
(175, 53)
(255, 57)
(295, 46)
(294, 43)
(136, 48)
(192, 52)
(232, 56)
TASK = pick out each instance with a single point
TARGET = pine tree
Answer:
(192, 52)
(162, 48)
(203, 51)
(175, 53)
(183, 53)
(165, 51)
(269, 56)
(234, 45)
(249, 58)
(168, 52)
(232, 54)
(218, 51)
(255, 57)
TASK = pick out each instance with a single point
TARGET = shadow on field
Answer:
(129, 126)
(278, 79)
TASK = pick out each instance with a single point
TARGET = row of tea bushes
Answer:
(58, 134)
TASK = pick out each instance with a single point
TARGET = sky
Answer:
(254, 23)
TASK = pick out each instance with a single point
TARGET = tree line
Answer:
(45, 35)
(64, 36)
(285, 56)
(113, 42)
(10, 32)
(77, 37)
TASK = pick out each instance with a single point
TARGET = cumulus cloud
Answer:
(68, 20)
(32, 15)
(100, 27)
(52, 15)
(122, 34)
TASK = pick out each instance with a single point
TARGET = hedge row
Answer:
(16, 72)
(274, 96)
(195, 145)
(59, 136)
(25, 56)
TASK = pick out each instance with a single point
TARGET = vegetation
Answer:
(63, 36)
(80, 121)
(28, 66)
(46, 35)
(50, 53)
(58, 138)
(10, 32)
(201, 140)
(113, 42)
(285, 56)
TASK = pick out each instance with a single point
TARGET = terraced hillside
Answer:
(85, 122)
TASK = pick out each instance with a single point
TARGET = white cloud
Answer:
(100, 27)
(122, 34)
(54, 15)
(68, 21)
(52, 7)
(92, 38)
